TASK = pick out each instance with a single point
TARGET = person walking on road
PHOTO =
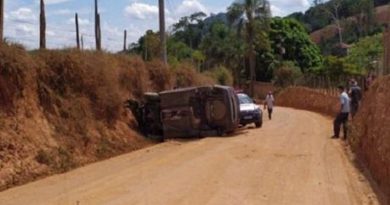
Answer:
(269, 104)
(342, 117)
(355, 93)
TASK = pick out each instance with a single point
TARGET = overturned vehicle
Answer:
(188, 112)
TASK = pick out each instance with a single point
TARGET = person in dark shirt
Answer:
(355, 94)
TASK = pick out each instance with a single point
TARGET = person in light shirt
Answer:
(269, 104)
(342, 117)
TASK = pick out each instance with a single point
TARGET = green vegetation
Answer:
(251, 45)
(366, 53)
(291, 42)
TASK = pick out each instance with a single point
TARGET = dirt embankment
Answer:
(370, 133)
(63, 109)
(308, 99)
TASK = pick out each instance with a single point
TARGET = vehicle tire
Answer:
(220, 132)
(259, 124)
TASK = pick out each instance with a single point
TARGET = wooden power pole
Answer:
(1, 21)
(77, 31)
(42, 24)
(82, 42)
(386, 53)
(163, 40)
(98, 34)
(125, 41)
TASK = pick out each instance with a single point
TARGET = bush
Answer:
(186, 76)
(221, 75)
(287, 74)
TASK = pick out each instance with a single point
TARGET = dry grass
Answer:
(63, 109)
(371, 132)
(308, 99)
(15, 79)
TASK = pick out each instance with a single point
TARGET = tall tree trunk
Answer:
(163, 42)
(97, 28)
(125, 41)
(42, 23)
(77, 31)
(339, 31)
(82, 42)
(1, 21)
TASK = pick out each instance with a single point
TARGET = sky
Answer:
(136, 16)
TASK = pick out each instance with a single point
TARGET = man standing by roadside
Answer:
(269, 103)
(355, 93)
(342, 117)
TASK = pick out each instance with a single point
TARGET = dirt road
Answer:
(291, 160)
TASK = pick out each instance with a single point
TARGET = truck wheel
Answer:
(220, 132)
(259, 124)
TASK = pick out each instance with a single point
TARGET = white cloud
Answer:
(49, 2)
(276, 11)
(26, 30)
(23, 14)
(283, 7)
(82, 22)
(62, 12)
(290, 3)
(141, 11)
(188, 7)
(51, 33)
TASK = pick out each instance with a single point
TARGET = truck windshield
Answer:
(244, 99)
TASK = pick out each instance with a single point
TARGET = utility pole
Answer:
(82, 42)
(163, 40)
(125, 41)
(42, 24)
(98, 34)
(1, 21)
(386, 53)
(77, 31)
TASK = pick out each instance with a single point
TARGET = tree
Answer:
(365, 53)
(332, 9)
(253, 16)
(222, 47)
(148, 46)
(365, 15)
(290, 41)
(189, 29)
(179, 50)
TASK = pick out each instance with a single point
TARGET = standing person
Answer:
(342, 117)
(269, 103)
(355, 93)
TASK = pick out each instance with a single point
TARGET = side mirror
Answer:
(254, 101)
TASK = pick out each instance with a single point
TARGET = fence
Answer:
(327, 83)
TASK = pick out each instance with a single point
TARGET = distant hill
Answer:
(382, 16)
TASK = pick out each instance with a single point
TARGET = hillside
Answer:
(63, 109)
(382, 16)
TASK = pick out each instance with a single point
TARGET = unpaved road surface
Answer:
(291, 160)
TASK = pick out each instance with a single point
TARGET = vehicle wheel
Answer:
(259, 124)
(220, 132)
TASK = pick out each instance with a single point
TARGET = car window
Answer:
(244, 99)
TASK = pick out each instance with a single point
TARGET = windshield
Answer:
(244, 99)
